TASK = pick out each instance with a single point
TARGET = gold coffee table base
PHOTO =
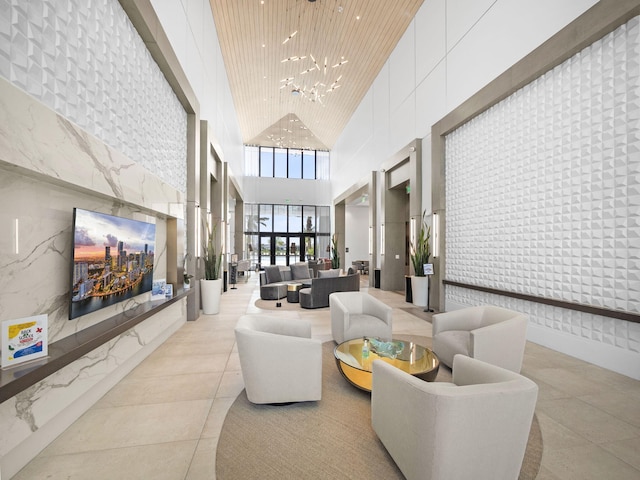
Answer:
(414, 359)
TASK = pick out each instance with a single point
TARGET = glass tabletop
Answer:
(407, 356)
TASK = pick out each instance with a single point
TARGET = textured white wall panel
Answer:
(543, 193)
(86, 61)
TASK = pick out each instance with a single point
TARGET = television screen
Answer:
(112, 260)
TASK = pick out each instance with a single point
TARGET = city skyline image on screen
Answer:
(112, 260)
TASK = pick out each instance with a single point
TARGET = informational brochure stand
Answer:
(428, 271)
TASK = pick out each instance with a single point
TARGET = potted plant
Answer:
(420, 253)
(211, 284)
(335, 256)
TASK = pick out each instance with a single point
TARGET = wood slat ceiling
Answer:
(251, 35)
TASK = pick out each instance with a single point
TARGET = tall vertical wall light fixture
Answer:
(370, 240)
(198, 225)
(412, 231)
(436, 235)
(382, 239)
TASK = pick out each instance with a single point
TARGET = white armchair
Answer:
(358, 314)
(476, 427)
(280, 361)
(491, 334)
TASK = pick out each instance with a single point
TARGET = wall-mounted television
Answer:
(112, 260)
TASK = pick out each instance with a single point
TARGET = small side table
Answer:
(293, 292)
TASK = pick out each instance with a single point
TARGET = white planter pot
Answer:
(419, 287)
(210, 292)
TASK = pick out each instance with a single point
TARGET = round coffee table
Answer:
(414, 359)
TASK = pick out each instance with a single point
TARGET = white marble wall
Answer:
(543, 197)
(48, 165)
(86, 61)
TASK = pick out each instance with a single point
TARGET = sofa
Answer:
(274, 279)
(317, 296)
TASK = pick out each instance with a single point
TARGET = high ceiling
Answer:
(298, 68)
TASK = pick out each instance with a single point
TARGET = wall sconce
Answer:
(436, 235)
(412, 232)
(382, 242)
(16, 236)
(370, 240)
(223, 238)
(198, 239)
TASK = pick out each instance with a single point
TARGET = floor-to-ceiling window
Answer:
(285, 234)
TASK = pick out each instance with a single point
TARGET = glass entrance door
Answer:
(309, 251)
(266, 250)
(295, 252)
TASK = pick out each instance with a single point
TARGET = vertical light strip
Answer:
(370, 240)
(16, 248)
(382, 245)
(412, 231)
(198, 225)
(436, 235)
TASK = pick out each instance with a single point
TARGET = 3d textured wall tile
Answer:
(543, 193)
(86, 61)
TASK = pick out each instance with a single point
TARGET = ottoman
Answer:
(273, 291)
(292, 292)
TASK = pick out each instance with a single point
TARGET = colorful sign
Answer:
(24, 339)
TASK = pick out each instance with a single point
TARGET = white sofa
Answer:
(358, 314)
(492, 334)
(280, 361)
(474, 428)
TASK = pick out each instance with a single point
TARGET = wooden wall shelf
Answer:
(65, 351)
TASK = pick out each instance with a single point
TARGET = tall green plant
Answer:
(335, 256)
(421, 251)
(212, 259)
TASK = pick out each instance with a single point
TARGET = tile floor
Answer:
(163, 420)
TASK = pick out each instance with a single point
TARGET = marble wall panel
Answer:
(543, 193)
(27, 412)
(86, 61)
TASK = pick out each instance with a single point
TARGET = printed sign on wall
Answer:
(24, 339)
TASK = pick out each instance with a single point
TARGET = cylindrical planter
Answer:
(210, 292)
(419, 289)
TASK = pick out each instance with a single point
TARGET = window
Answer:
(266, 218)
(280, 163)
(309, 217)
(292, 163)
(295, 163)
(295, 218)
(309, 164)
(279, 218)
(266, 162)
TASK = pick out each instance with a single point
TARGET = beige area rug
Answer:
(271, 305)
(330, 439)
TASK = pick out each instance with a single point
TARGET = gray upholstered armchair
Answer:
(492, 334)
(358, 314)
(474, 428)
(280, 361)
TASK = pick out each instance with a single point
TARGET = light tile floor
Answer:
(163, 420)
